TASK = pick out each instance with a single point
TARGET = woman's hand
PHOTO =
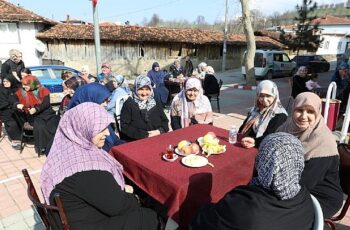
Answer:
(20, 106)
(153, 133)
(32, 111)
(248, 142)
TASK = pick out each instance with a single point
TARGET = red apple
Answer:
(195, 148)
(186, 150)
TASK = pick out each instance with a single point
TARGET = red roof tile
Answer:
(12, 13)
(331, 20)
(150, 34)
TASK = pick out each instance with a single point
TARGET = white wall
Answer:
(26, 44)
(333, 35)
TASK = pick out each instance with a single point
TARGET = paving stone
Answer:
(12, 219)
(17, 226)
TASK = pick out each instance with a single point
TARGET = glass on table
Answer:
(169, 152)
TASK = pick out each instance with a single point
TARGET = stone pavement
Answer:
(16, 211)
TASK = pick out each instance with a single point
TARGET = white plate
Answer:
(170, 160)
(194, 161)
(178, 152)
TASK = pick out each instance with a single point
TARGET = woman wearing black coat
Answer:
(142, 116)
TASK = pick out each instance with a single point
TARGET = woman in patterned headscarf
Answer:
(34, 102)
(190, 106)
(265, 117)
(142, 116)
(90, 181)
(273, 200)
(321, 175)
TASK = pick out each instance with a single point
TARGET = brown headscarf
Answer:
(318, 140)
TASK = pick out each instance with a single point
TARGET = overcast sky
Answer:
(136, 11)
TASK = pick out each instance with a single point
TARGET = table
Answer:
(181, 189)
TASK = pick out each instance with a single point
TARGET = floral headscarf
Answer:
(142, 81)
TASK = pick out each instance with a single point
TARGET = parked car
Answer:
(271, 63)
(314, 62)
(50, 77)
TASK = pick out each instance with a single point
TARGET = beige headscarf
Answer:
(318, 140)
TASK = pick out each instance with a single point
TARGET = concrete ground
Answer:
(16, 211)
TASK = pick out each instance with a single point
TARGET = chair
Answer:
(47, 212)
(344, 174)
(216, 96)
(318, 220)
(118, 108)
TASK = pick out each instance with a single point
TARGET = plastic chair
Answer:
(118, 108)
(318, 220)
(344, 174)
(47, 212)
(216, 96)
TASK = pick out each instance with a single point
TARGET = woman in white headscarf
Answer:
(265, 117)
(190, 106)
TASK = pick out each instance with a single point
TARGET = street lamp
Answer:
(96, 36)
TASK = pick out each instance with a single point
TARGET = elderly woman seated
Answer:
(142, 116)
(120, 89)
(71, 85)
(273, 200)
(190, 106)
(90, 181)
(265, 117)
(321, 175)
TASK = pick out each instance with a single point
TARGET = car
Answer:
(271, 63)
(50, 77)
(315, 63)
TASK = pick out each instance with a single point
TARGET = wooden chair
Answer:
(216, 96)
(46, 212)
(344, 174)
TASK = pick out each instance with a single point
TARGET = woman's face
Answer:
(157, 68)
(144, 93)
(99, 139)
(115, 84)
(304, 116)
(303, 72)
(192, 94)
(23, 74)
(84, 72)
(70, 91)
(26, 87)
(265, 100)
(343, 71)
(6, 83)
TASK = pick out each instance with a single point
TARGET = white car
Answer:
(271, 63)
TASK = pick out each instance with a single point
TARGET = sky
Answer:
(136, 11)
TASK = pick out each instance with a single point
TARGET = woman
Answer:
(142, 116)
(190, 106)
(99, 94)
(25, 72)
(90, 181)
(7, 113)
(71, 85)
(210, 83)
(85, 74)
(299, 81)
(273, 200)
(34, 102)
(320, 175)
(265, 117)
(120, 89)
(157, 76)
(341, 76)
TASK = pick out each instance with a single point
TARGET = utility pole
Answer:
(224, 48)
(97, 37)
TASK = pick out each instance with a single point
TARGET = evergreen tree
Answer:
(305, 34)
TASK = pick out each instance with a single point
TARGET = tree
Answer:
(305, 33)
(200, 20)
(154, 21)
(249, 33)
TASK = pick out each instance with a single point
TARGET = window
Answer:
(58, 72)
(258, 59)
(277, 57)
(286, 58)
(41, 74)
(9, 33)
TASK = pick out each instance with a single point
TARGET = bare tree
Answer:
(249, 33)
(200, 20)
(154, 21)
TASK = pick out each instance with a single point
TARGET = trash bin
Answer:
(333, 112)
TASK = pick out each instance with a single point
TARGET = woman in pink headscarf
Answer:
(90, 181)
(190, 106)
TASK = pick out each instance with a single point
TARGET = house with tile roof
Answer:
(131, 50)
(18, 28)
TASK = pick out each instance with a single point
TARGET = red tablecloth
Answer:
(182, 189)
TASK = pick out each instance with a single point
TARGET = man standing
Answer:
(106, 74)
(13, 66)
(188, 67)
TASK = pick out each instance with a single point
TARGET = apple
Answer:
(194, 148)
(186, 150)
(182, 143)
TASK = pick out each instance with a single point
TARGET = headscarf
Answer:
(140, 82)
(318, 140)
(259, 119)
(279, 165)
(74, 82)
(36, 93)
(210, 70)
(181, 106)
(93, 92)
(73, 151)
(301, 70)
(157, 77)
(343, 65)
(13, 82)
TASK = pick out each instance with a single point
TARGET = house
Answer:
(131, 50)
(18, 28)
